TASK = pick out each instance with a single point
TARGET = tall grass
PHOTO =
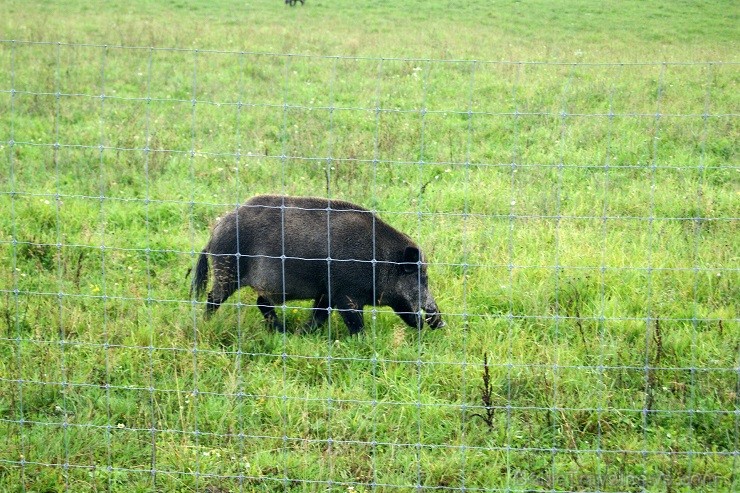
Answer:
(570, 172)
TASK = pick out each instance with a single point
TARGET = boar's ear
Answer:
(411, 257)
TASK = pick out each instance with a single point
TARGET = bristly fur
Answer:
(336, 253)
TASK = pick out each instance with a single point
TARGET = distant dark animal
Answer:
(293, 2)
(338, 254)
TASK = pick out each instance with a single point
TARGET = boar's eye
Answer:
(409, 268)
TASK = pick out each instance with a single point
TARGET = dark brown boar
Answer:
(338, 254)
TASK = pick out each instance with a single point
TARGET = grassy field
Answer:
(571, 173)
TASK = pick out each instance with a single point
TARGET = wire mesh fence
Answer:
(579, 227)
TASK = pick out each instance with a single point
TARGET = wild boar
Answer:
(338, 254)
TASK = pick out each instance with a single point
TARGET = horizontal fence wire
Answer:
(578, 223)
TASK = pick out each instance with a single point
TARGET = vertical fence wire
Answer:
(18, 339)
(464, 415)
(602, 282)
(510, 271)
(64, 409)
(245, 418)
(149, 271)
(650, 327)
(374, 198)
(554, 409)
(101, 221)
(239, 361)
(284, 186)
(697, 235)
(193, 392)
(329, 267)
(419, 204)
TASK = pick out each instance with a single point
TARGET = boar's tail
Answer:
(200, 278)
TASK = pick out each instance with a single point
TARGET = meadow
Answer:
(570, 171)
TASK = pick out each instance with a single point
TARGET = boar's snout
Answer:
(433, 317)
(434, 320)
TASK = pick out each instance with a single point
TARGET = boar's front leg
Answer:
(351, 312)
(268, 311)
(408, 315)
(411, 319)
(320, 312)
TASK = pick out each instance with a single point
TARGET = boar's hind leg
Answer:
(351, 313)
(268, 311)
(224, 282)
(220, 292)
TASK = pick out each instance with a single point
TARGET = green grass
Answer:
(585, 244)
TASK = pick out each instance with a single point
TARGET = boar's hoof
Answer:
(275, 324)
